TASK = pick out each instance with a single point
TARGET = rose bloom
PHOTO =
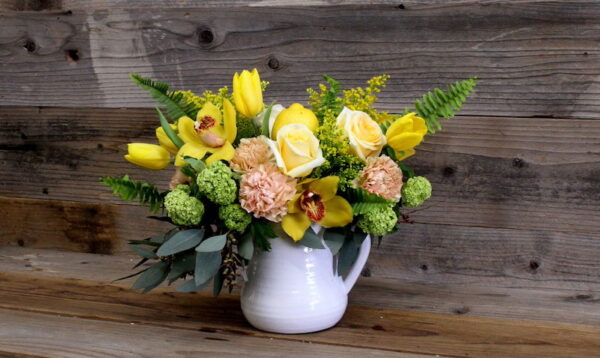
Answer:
(296, 150)
(364, 134)
(251, 153)
(265, 191)
(381, 176)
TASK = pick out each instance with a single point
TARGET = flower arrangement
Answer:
(246, 173)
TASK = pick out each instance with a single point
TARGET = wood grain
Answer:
(486, 171)
(65, 337)
(576, 302)
(533, 58)
(361, 327)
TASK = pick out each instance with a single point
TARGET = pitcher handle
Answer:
(361, 260)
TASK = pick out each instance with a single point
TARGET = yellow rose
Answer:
(149, 156)
(296, 113)
(364, 134)
(405, 134)
(247, 93)
(296, 150)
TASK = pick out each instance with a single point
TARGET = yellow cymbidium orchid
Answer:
(149, 156)
(316, 202)
(247, 93)
(405, 134)
(212, 132)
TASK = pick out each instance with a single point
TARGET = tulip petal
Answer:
(402, 124)
(229, 124)
(419, 126)
(226, 152)
(325, 187)
(250, 94)
(164, 140)
(149, 156)
(338, 213)
(189, 150)
(404, 154)
(295, 225)
(237, 95)
(405, 141)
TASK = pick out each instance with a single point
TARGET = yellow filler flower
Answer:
(211, 132)
(405, 134)
(316, 202)
(149, 156)
(247, 93)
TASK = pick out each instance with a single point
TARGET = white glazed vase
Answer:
(294, 289)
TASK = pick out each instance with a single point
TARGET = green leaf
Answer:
(218, 283)
(144, 252)
(133, 274)
(215, 243)
(262, 230)
(196, 164)
(311, 239)
(347, 255)
(207, 265)
(334, 240)
(143, 242)
(406, 171)
(161, 218)
(363, 201)
(264, 129)
(139, 263)
(168, 130)
(190, 286)
(181, 264)
(130, 190)
(181, 241)
(153, 277)
(246, 246)
(174, 102)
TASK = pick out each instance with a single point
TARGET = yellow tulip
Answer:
(211, 132)
(164, 140)
(247, 93)
(316, 202)
(405, 134)
(296, 113)
(149, 156)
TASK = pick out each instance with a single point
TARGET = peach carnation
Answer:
(265, 191)
(250, 153)
(381, 176)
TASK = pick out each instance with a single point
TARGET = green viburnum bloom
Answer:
(234, 217)
(378, 221)
(415, 191)
(216, 183)
(182, 208)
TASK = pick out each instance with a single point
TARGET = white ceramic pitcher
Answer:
(294, 289)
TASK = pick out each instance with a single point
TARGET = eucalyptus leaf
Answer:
(181, 241)
(215, 243)
(153, 277)
(185, 262)
(190, 286)
(144, 252)
(133, 274)
(246, 246)
(197, 164)
(207, 265)
(218, 283)
(334, 240)
(358, 238)
(347, 255)
(311, 239)
(168, 130)
(143, 242)
(140, 263)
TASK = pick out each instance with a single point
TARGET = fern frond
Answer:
(363, 201)
(131, 190)
(438, 104)
(174, 102)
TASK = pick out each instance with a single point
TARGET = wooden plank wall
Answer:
(516, 194)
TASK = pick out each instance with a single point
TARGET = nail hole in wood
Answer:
(45, 191)
(21, 242)
(585, 53)
(462, 310)
(366, 272)
(100, 146)
(518, 163)
(23, 136)
(448, 171)
(72, 55)
(205, 36)
(424, 267)
(273, 63)
(29, 46)
(401, 7)
(534, 265)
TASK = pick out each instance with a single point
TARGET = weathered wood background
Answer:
(516, 177)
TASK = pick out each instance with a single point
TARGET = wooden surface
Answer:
(100, 319)
(533, 58)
